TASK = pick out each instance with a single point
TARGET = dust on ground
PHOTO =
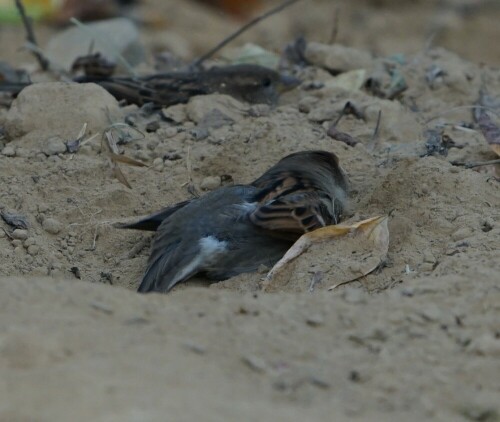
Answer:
(417, 340)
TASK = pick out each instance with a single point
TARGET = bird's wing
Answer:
(290, 202)
(297, 212)
(152, 222)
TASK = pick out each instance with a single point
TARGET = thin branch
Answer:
(373, 140)
(335, 26)
(476, 164)
(197, 63)
(30, 34)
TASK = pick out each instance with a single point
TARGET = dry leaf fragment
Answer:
(115, 157)
(126, 160)
(350, 251)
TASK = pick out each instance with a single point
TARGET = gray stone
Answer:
(54, 145)
(33, 250)
(158, 164)
(336, 57)
(58, 108)
(51, 225)
(210, 183)
(29, 241)
(461, 234)
(203, 107)
(20, 234)
(9, 151)
(176, 114)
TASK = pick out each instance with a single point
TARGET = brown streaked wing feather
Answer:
(298, 212)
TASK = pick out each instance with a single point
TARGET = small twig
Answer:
(475, 164)
(335, 27)
(30, 34)
(8, 234)
(373, 140)
(344, 137)
(337, 120)
(377, 126)
(189, 168)
(191, 188)
(198, 62)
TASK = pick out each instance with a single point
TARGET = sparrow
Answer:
(236, 229)
(251, 83)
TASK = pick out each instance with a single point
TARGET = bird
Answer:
(236, 229)
(250, 83)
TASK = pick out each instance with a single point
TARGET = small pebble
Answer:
(23, 152)
(141, 155)
(9, 151)
(33, 250)
(51, 225)
(43, 207)
(428, 257)
(172, 156)
(158, 164)
(486, 345)
(152, 144)
(54, 145)
(315, 320)
(210, 183)
(152, 126)
(461, 233)
(20, 234)
(54, 159)
(426, 267)
(255, 363)
(16, 243)
(19, 250)
(168, 132)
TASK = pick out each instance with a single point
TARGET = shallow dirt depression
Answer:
(418, 339)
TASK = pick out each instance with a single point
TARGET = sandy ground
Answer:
(417, 340)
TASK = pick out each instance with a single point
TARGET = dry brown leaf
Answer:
(126, 160)
(115, 158)
(343, 252)
(121, 177)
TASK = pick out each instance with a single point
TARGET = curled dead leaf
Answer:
(344, 252)
(118, 158)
